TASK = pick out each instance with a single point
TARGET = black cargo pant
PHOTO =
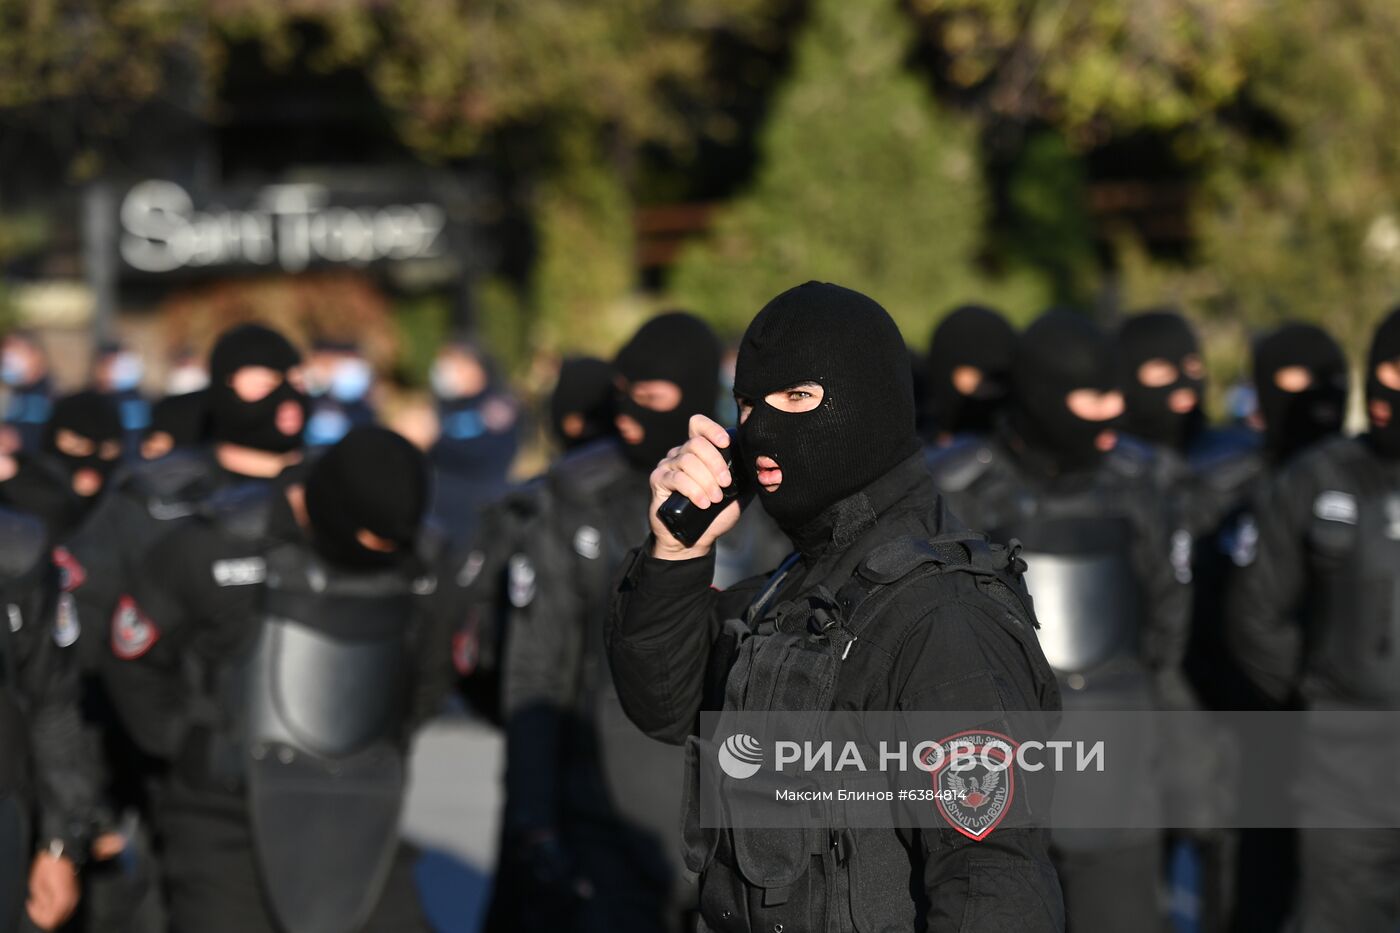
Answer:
(213, 886)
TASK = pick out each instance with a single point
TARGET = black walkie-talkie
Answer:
(688, 521)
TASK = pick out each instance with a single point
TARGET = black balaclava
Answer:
(1164, 335)
(252, 424)
(970, 335)
(585, 388)
(864, 426)
(373, 479)
(93, 416)
(183, 417)
(676, 347)
(1062, 351)
(1385, 348)
(1294, 420)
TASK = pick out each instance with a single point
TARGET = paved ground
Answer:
(453, 815)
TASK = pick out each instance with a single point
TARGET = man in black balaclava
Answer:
(331, 568)
(178, 422)
(1312, 623)
(61, 482)
(581, 405)
(590, 801)
(827, 435)
(365, 499)
(256, 415)
(1300, 378)
(1091, 516)
(668, 371)
(969, 371)
(1163, 378)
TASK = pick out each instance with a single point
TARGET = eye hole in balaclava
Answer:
(1159, 367)
(1300, 378)
(1062, 352)
(678, 348)
(864, 425)
(1383, 386)
(372, 480)
(969, 369)
(84, 433)
(257, 424)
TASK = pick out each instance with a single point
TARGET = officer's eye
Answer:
(797, 395)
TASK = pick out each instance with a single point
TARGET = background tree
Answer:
(862, 180)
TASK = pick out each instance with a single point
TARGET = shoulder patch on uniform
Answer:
(470, 569)
(588, 542)
(1182, 548)
(14, 616)
(521, 578)
(133, 633)
(66, 627)
(71, 574)
(466, 649)
(1334, 506)
(239, 571)
(1240, 540)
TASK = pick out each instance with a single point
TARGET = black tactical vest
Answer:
(1353, 540)
(787, 656)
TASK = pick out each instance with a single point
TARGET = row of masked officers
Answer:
(237, 642)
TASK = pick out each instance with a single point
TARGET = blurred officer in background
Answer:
(256, 414)
(1095, 526)
(968, 372)
(581, 405)
(178, 422)
(278, 652)
(24, 369)
(592, 804)
(62, 482)
(116, 373)
(478, 437)
(339, 380)
(1300, 379)
(47, 785)
(827, 439)
(1313, 620)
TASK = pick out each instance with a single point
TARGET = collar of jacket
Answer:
(841, 523)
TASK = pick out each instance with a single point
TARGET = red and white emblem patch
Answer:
(976, 780)
(71, 573)
(133, 633)
(466, 648)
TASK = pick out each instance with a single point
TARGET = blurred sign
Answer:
(284, 226)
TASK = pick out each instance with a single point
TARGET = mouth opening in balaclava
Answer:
(1159, 335)
(372, 479)
(864, 425)
(674, 347)
(1294, 420)
(1061, 352)
(93, 417)
(977, 337)
(1385, 348)
(252, 424)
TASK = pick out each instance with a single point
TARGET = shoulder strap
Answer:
(904, 560)
(759, 605)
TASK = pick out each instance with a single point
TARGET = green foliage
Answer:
(1050, 229)
(422, 322)
(1091, 67)
(863, 181)
(1304, 221)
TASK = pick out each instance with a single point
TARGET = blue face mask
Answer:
(125, 372)
(326, 427)
(351, 380)
(12, 369)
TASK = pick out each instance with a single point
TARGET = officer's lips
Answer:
(770, 475)
(288, 418)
